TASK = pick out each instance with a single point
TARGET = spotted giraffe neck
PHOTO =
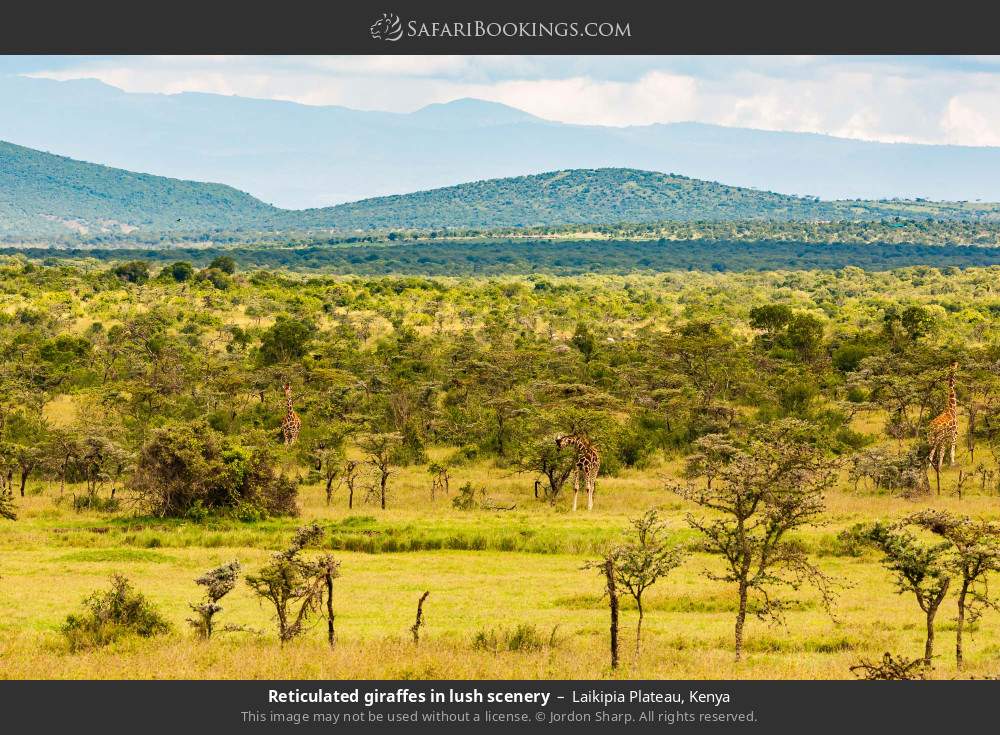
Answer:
(578, 441)
(952, 397)
(587, 456)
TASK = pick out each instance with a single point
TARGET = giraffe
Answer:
(291, 424)
(942, 432)
(588, 463)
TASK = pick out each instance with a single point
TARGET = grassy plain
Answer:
(485, 571)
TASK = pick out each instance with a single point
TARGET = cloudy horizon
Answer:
(934, 100)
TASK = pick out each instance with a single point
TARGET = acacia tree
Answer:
(60, 452)
(974, 557)
(562, 409)
(27, 434)
(712, 453)
(349, 476)
(327, 569)
(381, 450)
(643, 562)
(904, 385)
(767, 488)
(293, 585)
(100, 460)
(552, 468)
(327, 456)
(979, 376)
(920, 569)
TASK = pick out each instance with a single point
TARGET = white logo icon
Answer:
(387, 28)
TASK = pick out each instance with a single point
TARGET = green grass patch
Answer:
(124, 556)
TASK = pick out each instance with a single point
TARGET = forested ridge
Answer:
(54, 198)
(43, 194)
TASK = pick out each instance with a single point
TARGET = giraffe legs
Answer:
(576, 488)
(951, 457)
(590, 492)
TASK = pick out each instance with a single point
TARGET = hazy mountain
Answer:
(303, 156)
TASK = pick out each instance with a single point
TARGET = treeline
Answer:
(484, 257)
(891, 231)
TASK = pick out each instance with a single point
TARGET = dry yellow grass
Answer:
(52, 557)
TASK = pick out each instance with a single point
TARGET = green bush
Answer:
(224, 263)
(466, 498)
(111, 615)
(135, 271)
(191, 470)
(95, 502)
(179, 271)
(853, 439)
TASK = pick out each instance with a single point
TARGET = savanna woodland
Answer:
(211, 469)
(348, 443)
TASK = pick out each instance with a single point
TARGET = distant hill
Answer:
(42, 194)
(581, 196)
(604, 196)
(295, 156)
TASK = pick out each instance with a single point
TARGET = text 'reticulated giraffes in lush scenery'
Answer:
(942, 431)
(586, 467)
(291, 424)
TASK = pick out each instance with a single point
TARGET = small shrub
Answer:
(853, 439)
(218, 583)
(197, 512)
(7, 508)
(851, 541)
(471, 498)
(113, 614)
(486, 640)
(96, 503)
(522, 637)
(466, 498)
(890, 668)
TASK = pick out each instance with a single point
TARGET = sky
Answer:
(928, 99)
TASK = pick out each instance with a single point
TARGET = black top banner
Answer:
(512, 26)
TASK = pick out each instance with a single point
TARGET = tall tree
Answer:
(974, 557)
(920, 569)
(766, 489)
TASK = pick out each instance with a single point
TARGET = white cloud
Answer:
(972, 116)
(926, 99)
(656, 97)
